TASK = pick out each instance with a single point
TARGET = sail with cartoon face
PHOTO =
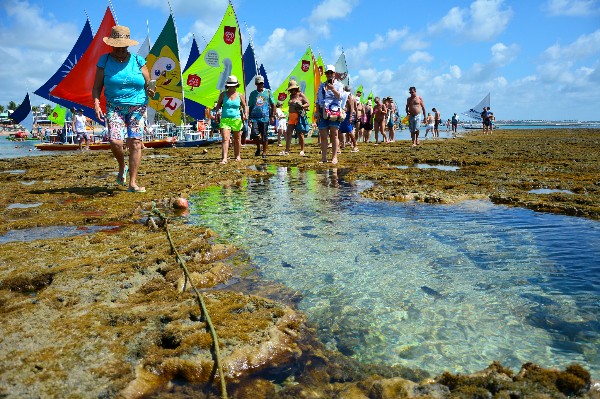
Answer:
(163, 66)
(204, 80)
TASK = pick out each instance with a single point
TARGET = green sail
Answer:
(204, 80)
(304, 74)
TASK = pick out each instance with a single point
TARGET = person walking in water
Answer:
(414, 107)
(233, 115)
(262, 113)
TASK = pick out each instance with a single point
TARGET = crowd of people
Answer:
(341, 119)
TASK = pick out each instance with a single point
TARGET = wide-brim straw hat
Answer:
(292, 85)
(119, 37)
(232, 80)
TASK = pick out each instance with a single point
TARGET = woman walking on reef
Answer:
(233, 114)
(126, 83)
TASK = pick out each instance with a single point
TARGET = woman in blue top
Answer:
(233, 115)
(125, 79)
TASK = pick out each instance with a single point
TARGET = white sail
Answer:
(475, 112)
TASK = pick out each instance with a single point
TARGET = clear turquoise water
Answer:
(438, 287)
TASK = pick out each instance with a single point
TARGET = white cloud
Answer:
(329, 10)
(584, 46)
(420, 56)
(503, 55)
(482, 21)
(562, 8)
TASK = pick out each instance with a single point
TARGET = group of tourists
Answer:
(341, 118)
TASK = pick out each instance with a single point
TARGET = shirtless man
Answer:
(360, 119)
(429, 126)
(380, 112)
(414, 106)
(437, 117)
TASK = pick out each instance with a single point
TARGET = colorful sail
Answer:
(369, 97)
(20, 114)
(262, 72)
(78, 84)
(475, 112)
(58, 115)
(205, 79)
(360, 88)
(304, 74)
(192, 108)
(81, 45)
(250, 70)
(341, 70)
(163, 65)
(321, 67)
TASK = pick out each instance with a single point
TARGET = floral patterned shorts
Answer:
(126, 121)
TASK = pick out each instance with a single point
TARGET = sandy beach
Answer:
(104, 314)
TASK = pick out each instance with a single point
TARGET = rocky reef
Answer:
(108, 312)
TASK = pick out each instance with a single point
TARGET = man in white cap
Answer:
(262, 113)
(329, 113)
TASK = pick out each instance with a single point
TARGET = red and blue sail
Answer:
(81, 45)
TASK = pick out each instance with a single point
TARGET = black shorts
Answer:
(260, 130)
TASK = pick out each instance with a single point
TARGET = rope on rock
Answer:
(203, 309)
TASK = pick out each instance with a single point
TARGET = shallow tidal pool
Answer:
(437, 287)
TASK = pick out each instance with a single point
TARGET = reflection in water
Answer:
(432, 286)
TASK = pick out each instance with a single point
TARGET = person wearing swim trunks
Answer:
(429, 126)
(380, 112)
(233, 113)
(125, 80)
(414, 106)
(437, 119)
(367, 126)
(262, 113)
(347, 125)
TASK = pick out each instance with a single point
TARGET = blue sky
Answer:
(538, 59)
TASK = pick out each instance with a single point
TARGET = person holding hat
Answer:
(233, 113)
(79, 127)
(125, 80)
(329, 107)
(298, 105)
(262, 113)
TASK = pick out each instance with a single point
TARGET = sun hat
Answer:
(119, 37)
(232, 80)
(259, 79)
(292, 85)
(279, 104)
(330, 68)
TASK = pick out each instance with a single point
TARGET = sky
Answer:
(539, 59)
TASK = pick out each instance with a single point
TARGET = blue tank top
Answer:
(124, 82)
(231, 108)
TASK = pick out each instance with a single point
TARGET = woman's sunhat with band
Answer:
(232, 80)
(119, 37)
(292, 85)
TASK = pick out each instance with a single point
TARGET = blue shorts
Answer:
(346, 127)
(413, 123)
(126, 121)
(327, 123)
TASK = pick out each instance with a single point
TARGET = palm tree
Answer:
(12, 105)
(2, 108)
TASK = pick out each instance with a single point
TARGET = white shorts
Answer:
(282, 124)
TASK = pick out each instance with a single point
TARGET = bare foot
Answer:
(334, 161)
(238, 159)
(223, 162)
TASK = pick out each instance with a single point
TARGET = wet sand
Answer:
(104, 314)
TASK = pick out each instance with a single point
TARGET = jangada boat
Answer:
(167, 142)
